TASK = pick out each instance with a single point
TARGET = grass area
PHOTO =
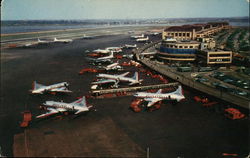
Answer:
(230, 39)
(222, 34)
(244, 42)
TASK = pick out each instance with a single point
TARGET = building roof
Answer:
(197, 27)
(184, 28)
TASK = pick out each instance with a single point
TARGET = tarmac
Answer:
(110, 129)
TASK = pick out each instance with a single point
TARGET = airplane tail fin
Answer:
(34, 84)
(136, 76)
(112, 54)
(179, 90)
(159, 91)
(81, 101)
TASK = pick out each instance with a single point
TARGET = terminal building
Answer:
(192, 32)
(173, 50)
(181, 43)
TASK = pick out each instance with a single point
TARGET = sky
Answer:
(120, 9)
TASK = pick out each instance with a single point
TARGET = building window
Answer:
(188, 34)
(176, 34)
(183, 34)
(175, 46)
(190, 46)
(180, 46)
(219, 55)
(172, 34)
(185, 46)
(179, 34)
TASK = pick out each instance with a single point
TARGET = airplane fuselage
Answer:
(118, 77)
(130, 46)
(142, 39)
(70, 107)
(47, 88)
(106, 57)
(114, 66)
(104, 51)
(63, 40)
(162, 96)
(114, 49)
(135, 37)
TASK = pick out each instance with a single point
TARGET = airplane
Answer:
(87, 37)
(114, 49)
(130, 46)
(142, 39)
(153, 98)
(121, 77)
(129, 56)
(155, 33)
(113, 66)
(41, 41)
(62, 40)
(111, 56)
(59, 87)
(135, 37)
(103, 51)
(101, 62)
(35, 43)
(54, 107)
(29, 44)
(104, 83)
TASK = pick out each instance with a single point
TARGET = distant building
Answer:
(192, 32)
(209, 57)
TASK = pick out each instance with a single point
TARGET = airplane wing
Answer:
(104, 81)
(124, 74)
(152, 101)
(51, 111)
(62, 89)
(80, 111)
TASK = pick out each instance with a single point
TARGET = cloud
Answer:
(248, 1)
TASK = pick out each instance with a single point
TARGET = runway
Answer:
(183, 130)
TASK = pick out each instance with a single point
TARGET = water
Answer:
(20, 27)
(36, 28)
